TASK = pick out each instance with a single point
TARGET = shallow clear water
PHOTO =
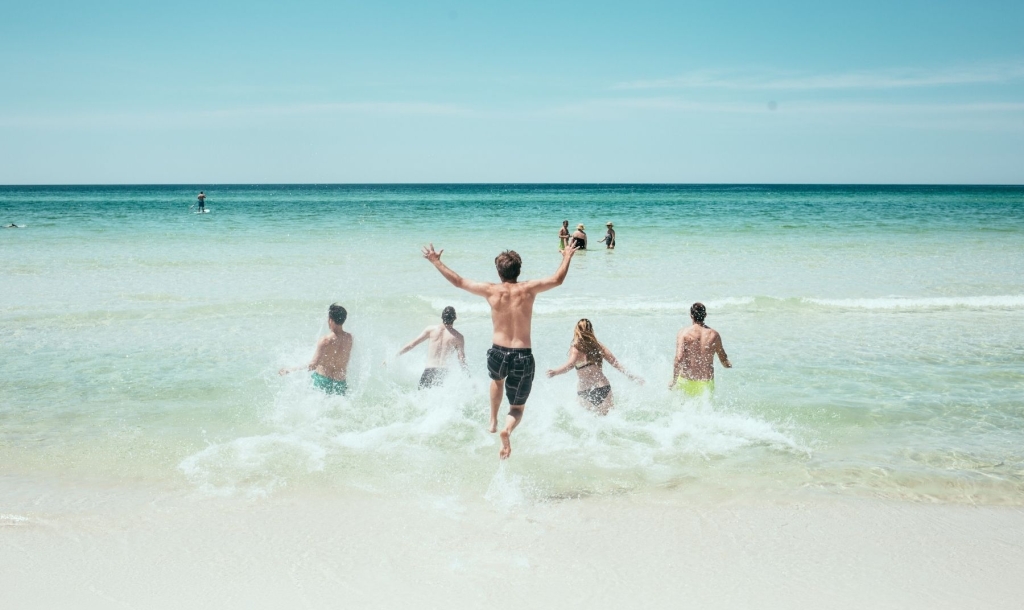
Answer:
(877, 335)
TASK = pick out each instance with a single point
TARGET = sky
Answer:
(360, 92)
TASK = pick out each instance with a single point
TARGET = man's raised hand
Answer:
(431, 255)
(570, 249)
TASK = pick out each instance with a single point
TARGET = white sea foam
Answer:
(9, 519)
(1015, 301)
(506, 491)
(556, 305)
(397, 436)
(253, 466)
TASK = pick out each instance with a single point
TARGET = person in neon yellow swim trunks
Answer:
(330, 360)
(563, 235)
(696, 346)
(695, 387)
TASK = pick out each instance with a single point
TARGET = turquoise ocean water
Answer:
(877, 335)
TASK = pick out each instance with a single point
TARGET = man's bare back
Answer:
(512, 313)
(443, 341)
(696, 347)
(699, 346)
(332, 354)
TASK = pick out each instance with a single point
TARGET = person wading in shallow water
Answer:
(579, 238)
(563, 235)
(510, 362)
(696, 347)
(609, 237)
(444, 341)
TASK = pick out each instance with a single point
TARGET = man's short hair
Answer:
(337, 313)
(508, 264)
(448, 315)
(698, 312)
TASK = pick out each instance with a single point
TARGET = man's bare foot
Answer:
(493, 426)
(506, 447)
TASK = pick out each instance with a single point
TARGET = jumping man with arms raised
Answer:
(510, 361)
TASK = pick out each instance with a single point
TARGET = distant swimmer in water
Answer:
(11, 226)
(586, 355)
(609, 237)
(510, 362)
(579, 238)
(202, 202)
(696, 346)
(563, 235)
(444, 341)
(330, 360)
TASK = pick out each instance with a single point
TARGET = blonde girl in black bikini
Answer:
(587, 355)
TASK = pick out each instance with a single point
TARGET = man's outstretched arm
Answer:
(420, 339)
(477, 288)
(555, 280)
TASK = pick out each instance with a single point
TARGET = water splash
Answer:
(507, 491)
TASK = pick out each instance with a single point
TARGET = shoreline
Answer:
(118, 546)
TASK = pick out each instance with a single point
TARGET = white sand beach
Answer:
(111, 547)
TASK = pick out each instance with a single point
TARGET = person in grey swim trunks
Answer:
(510, 362)
(444, 341)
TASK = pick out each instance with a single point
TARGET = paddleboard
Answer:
(201, 212)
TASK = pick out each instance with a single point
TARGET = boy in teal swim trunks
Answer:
(696, 347)
(330, 360)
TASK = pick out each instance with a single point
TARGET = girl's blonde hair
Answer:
(584, 340)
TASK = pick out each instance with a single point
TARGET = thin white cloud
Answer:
(907, 108)
(623, 107)
(182, 118)
(867, 79)
(1003, 117)
(678, 104)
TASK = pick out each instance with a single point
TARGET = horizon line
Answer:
(261, 184)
